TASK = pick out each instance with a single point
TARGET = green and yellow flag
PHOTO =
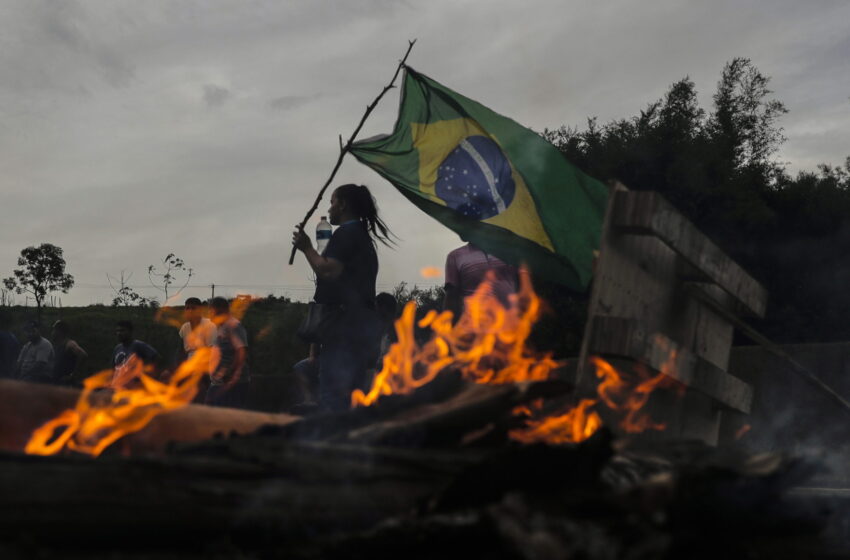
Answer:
(494, 182)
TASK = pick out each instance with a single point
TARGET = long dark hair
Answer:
(362, 204)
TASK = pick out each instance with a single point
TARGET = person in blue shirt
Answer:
(346, 273)
(142, 354)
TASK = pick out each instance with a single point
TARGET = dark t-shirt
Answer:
(65, 362)
(230, 336)
(123, 352)
(351, 245)
(9, 348)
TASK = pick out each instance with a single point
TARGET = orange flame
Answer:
(487, 345)
(629, 397)
(577, 424)
(102, 416)
(624, 397)
(100, 419)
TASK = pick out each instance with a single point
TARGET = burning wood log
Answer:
(24, 407)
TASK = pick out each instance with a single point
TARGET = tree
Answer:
(126, 296)
(172, 268)
(42, 272)
(719, 168)
(426, 298)
(745, 120)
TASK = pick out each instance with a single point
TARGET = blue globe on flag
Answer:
(475, 179)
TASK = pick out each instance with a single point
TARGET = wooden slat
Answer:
(625, 338)
(648, 213)
(26, 406)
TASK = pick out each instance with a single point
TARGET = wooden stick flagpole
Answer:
(344, 149)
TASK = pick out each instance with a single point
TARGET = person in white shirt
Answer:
(35, 362)
(197, 332)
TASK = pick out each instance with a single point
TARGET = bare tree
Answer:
(126, 296)
(173, 268)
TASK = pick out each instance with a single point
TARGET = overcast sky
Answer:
(130, 130)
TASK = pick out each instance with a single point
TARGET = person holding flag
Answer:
(346, 274)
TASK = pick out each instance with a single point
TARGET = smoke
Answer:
(789, 414)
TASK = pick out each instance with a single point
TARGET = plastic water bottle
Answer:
(323, 235)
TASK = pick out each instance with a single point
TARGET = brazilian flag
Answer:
(494, 182)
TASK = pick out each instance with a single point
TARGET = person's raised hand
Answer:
(301, 240)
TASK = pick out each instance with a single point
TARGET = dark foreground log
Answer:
(306, 489)
(402, 480)
(318, 500)
(26, 406)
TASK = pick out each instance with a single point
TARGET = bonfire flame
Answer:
(101, 416)
(100, 419)
(488, 345)
(624, 396)
(573, 426)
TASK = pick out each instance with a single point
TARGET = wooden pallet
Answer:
(643, 306)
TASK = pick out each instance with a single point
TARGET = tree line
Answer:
(719, 167)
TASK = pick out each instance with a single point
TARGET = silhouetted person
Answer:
(129, 354)
(9, 346)
(230, 381)
(35, 362)
(306, 378)
(70, 357)
(345, 285)
(466, 269)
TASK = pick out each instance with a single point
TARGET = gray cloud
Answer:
(68, 25)
(215, 96)
(108, 147)
(288, 102)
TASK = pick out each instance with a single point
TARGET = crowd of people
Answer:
(352, 325)
(60, 360)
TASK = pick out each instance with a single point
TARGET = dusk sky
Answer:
(130, 130)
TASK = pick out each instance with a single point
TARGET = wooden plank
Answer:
(627, 338)
(637, 278)
(24, 407)
(647, 213)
